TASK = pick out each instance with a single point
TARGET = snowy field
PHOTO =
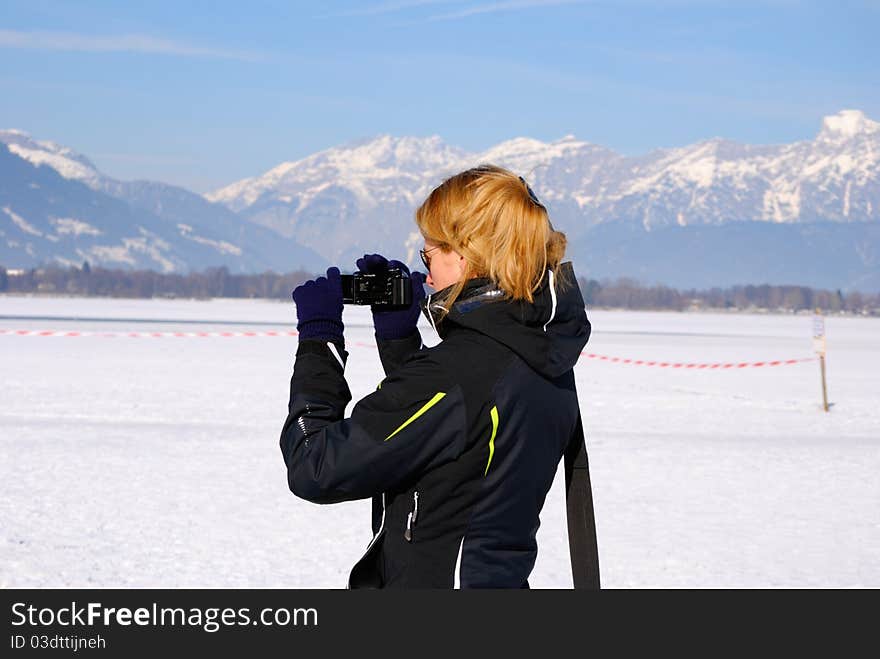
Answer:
(154, 462)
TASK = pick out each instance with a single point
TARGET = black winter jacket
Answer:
(459, 444)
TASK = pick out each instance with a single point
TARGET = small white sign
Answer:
(819, 334)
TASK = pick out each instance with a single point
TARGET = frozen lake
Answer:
(154, 462)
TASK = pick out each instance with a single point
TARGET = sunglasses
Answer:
(532, 194)
(425, 258)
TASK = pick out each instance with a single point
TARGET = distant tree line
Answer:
(219, 282)
(630, 294)
(102, 282)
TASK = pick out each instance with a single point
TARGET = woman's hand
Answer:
(397, 324)
(319, 307)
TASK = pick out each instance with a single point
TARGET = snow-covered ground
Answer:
(155, 461)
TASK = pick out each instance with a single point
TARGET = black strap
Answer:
(581, 520)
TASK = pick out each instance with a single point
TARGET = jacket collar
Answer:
(548, 333)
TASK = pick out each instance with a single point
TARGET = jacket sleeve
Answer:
(413, 422)
(393, 353)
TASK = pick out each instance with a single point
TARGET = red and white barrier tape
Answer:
(708, 365)
(669, 364)
(136, 335)
(361, 344)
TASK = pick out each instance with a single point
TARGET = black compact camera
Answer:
(389, 289)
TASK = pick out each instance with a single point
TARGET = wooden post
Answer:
(819, 347)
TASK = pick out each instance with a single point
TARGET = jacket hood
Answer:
(548, 334)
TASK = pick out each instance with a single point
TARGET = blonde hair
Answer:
(490, 216)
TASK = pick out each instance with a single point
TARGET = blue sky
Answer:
(204, 93)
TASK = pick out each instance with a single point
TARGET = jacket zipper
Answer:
(379, 532)
(412, 517)
(375, 537)
(301, 422)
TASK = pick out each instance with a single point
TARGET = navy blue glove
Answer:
(401, 323)
(319, 307)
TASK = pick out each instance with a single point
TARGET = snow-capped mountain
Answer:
(361, 197)
(376, 171)
(835, 177)
(342, 201)
(55, 205)
(712, 213)
(67, 162)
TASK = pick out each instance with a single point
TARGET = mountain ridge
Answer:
(832, 178)
(76, 217)
(615, 209)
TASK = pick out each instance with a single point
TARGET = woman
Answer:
(460, 443)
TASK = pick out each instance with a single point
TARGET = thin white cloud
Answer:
(516, 5)
(509, 5)
(389, 8)
(124, 43)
